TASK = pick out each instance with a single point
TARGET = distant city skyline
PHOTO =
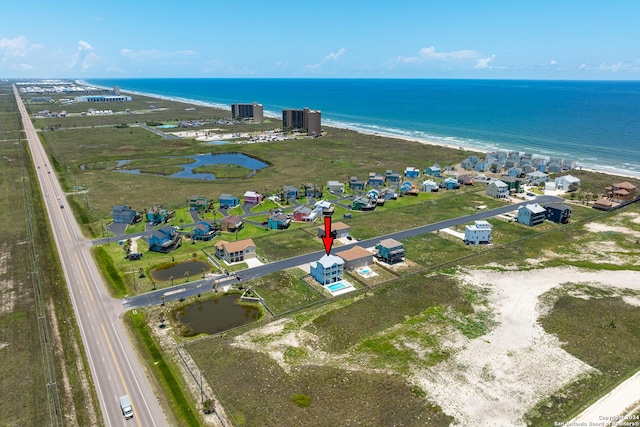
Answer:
(572, 40)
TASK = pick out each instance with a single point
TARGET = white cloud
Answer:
(83, 45)
(333, 56)
(618, 67)
(553, 62)
(144, 54)
(18, 46)
(431, 54)
(485, 63)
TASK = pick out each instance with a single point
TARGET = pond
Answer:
(178, 271)
(217, 315)
(238, 159)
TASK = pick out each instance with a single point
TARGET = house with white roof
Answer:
(537, 177)
(328, 269)
(478, 233)
(498, 189)
(566, 181)
(531, 214)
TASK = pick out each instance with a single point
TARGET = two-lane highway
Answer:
(114, 365)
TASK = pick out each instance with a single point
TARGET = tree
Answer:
(186, 275)
(181, 220)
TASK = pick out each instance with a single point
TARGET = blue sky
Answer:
(342, 39)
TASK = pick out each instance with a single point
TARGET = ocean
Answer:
(595, 123)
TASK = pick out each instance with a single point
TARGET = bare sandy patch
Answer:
(498, 377)
(7, 287)
(597, 227)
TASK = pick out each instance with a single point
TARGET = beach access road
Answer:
(113, 362)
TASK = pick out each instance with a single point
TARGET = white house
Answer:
(537, 177)
(322, 206)
(564, 182)
(498, 189)
(429, 186)
(478, 233)
(335, 187)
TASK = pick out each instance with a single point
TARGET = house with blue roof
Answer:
(434, 170)
(164, 240)
(205, 230)
(451, 183)
(328, 269)
(228, 201)
(391, 177)
(123, 214)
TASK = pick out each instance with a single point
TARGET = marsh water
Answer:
(178, 271)
(199, 160)
(217, 315)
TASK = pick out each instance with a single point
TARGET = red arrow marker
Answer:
(328, 238)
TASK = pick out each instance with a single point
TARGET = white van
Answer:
(125, 407)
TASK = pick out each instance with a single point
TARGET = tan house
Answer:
(356, 257)
(621, 192)
(341, 229)
(231, 223)
(235, 251)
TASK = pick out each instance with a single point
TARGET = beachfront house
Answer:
(205, 230)
(567, 182)
(497, 189)
(558, 212)
(228, 201)
(531, 214)
(252, 198)
(238, 251)
(481, 166)
(390, 251)
(124, 214)
(429, 186)
(278, 221)
(356, 257)
(411, 172)
(164, 240)
(198, 203)
(376, 179)
(478, 233)
(339, 230)
(328, 269)
(433, 170)
(621, 192)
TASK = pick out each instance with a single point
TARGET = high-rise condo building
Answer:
(253, 111)
(309, 120)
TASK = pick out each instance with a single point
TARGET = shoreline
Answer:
(457, 145)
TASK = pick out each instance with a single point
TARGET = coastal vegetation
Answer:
(358, 357)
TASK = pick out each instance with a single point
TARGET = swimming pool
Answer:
(337, 286)
(364, 270)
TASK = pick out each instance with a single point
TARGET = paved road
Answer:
(113, 362)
